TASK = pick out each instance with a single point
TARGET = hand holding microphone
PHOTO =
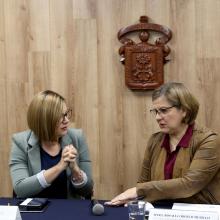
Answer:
(97, 208)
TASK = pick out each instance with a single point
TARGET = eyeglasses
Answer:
(67, 114)
(161, 111)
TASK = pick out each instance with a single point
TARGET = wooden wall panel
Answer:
(85, 86)
(208, 86)
(71, 46)
(84, 9)
(110, 101)
(207, 29)
(4, 140)
(2, 42)
(39, 25)
(133, 108)
(38, 72)
(62, 45)
(16, 39)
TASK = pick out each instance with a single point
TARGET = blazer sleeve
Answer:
(145, 171)
(84, 163)
(204, 165)
(24, 183)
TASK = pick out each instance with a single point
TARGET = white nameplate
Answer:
(171, 214)
(197, 207)
(9, 213)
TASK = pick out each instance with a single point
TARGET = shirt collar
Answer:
(184, 142)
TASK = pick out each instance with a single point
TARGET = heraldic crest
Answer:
(144, 60)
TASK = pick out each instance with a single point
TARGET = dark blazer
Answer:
(25, 163)
(196, 173)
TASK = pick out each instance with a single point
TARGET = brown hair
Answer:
(180, 97)
(44, 113)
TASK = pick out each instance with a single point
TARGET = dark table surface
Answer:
(60, 209)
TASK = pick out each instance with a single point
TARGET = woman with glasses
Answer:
(182, 161)
(50, 160)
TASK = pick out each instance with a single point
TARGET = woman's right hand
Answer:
(123, 198)
(65, 157)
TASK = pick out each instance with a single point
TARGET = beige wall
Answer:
(71, 46)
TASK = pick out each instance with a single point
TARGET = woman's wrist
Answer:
(77, 177)
(61, 166)
(42, 180)
(74, 168)
(76, 173)
(81, 181)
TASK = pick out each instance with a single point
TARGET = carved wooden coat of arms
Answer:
(144, 60)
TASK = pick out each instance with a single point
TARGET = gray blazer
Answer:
(25, 163)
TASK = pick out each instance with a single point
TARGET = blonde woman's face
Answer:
(64, 122)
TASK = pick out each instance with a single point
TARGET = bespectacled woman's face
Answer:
(168, 116)
(64, 122)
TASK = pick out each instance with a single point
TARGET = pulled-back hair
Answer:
(179, 96)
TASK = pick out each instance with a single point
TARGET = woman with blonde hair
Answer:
(50, 160)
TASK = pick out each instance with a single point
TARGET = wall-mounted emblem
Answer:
(144, 60)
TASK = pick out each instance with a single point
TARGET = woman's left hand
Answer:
(71, 155)
(76, 171)
(124, 197)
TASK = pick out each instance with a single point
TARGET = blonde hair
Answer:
(44, 113)
(180, 97)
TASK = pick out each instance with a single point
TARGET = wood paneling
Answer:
(71, 46)
(85, 86)
(39, 25)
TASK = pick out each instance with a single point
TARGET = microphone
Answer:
(97, 208)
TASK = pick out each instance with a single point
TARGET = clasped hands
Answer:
(68, 158)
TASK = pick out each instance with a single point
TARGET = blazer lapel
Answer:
(66, 140)
(34, 153)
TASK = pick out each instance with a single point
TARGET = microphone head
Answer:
(98, 209)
